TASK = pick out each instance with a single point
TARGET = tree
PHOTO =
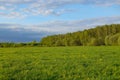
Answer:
(101, 35)
(119, 41)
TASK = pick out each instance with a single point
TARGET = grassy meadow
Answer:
(60, 63)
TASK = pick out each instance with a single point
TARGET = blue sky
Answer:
(27, 20)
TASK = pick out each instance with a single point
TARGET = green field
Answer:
(60, 63)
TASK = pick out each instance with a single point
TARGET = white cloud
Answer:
(2, 8)
(46, 7)
(13, 15)
(62, 26)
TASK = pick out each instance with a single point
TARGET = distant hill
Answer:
(101, 35)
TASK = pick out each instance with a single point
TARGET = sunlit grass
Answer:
(60, 63)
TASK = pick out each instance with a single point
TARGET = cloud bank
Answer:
(62, 26)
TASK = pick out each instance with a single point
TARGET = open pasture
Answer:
(60, 63)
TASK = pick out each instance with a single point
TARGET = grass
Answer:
(60, 63)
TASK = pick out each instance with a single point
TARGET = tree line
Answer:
(101, 35)
(12, 44)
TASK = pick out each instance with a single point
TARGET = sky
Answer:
(28, 20)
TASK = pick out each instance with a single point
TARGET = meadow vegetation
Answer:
(60, 63)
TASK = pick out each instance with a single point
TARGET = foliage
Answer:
(112, 39)
(95, 37)
(11, 44)
(119, 41)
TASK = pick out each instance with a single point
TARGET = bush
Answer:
(113, 40)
